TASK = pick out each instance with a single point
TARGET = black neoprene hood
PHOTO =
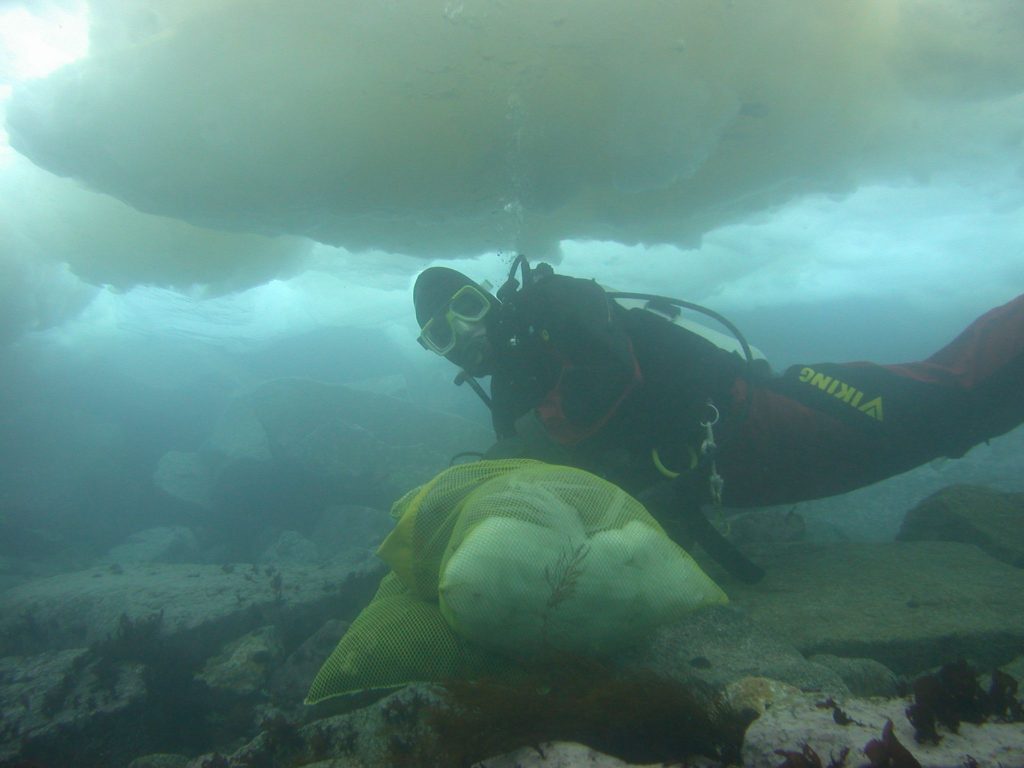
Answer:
(435, 286)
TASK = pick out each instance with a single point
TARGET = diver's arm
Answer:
(595, 366)
(676, 505)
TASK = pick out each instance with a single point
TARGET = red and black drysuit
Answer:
(613, 388)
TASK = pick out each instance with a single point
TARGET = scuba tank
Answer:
(671, 311)
(665, 306)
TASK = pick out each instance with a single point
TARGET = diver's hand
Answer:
(537, 443)
(676, 505)
(531, 441)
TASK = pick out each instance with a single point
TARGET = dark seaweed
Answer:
(640, 719)
(953, 695)
(888, 752)
(839, 716)
(808, 758)
(1002, 696)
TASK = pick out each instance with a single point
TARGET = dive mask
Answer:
(456, 317)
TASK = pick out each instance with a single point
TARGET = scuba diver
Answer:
(679, 422)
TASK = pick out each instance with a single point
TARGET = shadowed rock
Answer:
(48, 700)
(721, 644)
(991, 520)
(321, 437)
(908, 605)
(195, 602)
(802, 722)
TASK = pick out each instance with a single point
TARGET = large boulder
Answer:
(290, 547)
(158, 657)
(193, 604)
(991, 520)
(342, 531)
(339, 431)
(243, 668)
(908, 605)
(48, 700)
(721, 644)
(187, 476)
(864, 677)
(287, 450)
(342, 527)
(810, 728)
(289, 681)
(164, 544)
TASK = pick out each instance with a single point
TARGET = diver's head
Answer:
(453, 312)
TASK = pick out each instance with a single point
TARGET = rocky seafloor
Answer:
(158, 664)
(194, 646)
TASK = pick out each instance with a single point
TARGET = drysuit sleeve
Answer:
(827, 428)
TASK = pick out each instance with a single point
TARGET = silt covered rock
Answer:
(991, 520)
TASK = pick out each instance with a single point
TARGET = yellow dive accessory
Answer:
(441, 332)
(669, 473)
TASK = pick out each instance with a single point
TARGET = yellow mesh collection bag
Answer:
(512, 559)
(426, 517)
(395, 640)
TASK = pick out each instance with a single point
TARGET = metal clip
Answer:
(709, 449)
